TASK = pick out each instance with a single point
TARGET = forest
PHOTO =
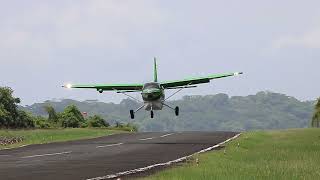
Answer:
(264, 110)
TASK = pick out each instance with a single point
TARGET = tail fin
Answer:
(155, 71)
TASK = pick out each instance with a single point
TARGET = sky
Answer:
(45, 44)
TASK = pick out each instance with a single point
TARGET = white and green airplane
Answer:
(153, 94)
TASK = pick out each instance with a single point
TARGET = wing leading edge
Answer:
(197, 80)
(108, 87)
(139, 87)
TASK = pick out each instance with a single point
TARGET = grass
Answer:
(41, 136)
(288, 154)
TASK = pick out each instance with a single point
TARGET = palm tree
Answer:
(316, 116)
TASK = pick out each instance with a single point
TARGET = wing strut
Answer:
(155, 71)
(124, 93)
(184, 87)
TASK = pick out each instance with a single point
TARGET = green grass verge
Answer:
(41, 136)
(288, 154)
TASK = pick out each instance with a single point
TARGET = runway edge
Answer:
(169, 163)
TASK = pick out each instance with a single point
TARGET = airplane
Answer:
(152, 93)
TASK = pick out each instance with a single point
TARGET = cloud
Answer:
(38, 31)
(309, 39)
(108, 41)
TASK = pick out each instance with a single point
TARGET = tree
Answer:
(4, 115)
(8, 107)
(97, 121)
(53, 117)
(10, 116)
(70, 121)
(316, 116)
(24, 120)
(71, 117)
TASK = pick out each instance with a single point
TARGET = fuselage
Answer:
(153, 96)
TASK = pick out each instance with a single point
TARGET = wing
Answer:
(198, 80)
(108, 87)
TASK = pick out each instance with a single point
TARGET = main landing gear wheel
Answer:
(152, 114)
(132, 114)
(176, 110)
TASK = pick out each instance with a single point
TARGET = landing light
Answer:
(237, 73)
(68, 86)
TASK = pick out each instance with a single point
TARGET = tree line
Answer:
(264, 110)
(71, 117)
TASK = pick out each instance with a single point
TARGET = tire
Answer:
(176, 110)
(152, 114)
(132, 114)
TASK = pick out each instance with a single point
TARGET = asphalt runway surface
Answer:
(87, 159)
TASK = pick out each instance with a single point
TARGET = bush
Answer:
(69, 121)
(24, 120)
(97, 121)
(84, 124)
(41, 122)
(71, 117)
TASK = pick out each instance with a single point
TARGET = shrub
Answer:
(41, 122)
(71, 117)
(97, 121)
(24, 120)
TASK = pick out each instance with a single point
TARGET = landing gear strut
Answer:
(176, 110)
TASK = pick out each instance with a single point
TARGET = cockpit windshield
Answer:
(151, 85)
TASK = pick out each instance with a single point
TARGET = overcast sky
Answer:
(44, 44)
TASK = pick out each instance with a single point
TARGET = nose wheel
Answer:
(132, 114)
(152, 114)
(176, 110)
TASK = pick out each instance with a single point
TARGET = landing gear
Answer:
(176, 110)
(152, 114)
(132, 114)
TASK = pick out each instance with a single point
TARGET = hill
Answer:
(265, 110)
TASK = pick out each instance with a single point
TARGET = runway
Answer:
(100, 157)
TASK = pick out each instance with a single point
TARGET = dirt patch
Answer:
(4, 141)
